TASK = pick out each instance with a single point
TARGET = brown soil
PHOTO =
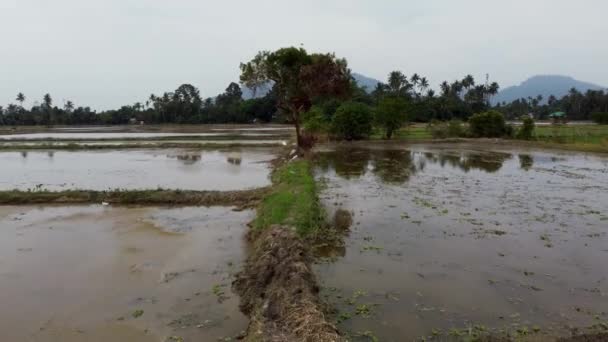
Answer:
(279, 291)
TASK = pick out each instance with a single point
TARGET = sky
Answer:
(108, 53)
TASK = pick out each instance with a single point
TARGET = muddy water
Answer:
(447, 237)
(230, 169)
(81, 273)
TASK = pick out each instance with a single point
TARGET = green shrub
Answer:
(600, 118)
(314, 121)
(352, 121)
(391, 114)
(490, 124)
(526, 132)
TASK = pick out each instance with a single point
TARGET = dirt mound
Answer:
(279, 291)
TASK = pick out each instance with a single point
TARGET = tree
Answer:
(526, 132)
(398, 84)
(489, 124)
(48, 109)
(69, 106)
(48, 100)
(20, 98)
(390, 114)
(352, 121)
(299, 78)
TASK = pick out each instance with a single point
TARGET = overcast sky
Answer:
(106, 53)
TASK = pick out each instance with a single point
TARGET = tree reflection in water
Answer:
(396, 166)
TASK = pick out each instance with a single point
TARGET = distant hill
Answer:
(366, 82)
(544, 85)
(363, 81)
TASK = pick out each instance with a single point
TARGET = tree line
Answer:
(577, 105)
(312, 87)
(182, 106)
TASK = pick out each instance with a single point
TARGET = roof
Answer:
(557, 114)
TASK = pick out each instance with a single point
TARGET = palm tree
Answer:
(397, 81)
(415, 79)
(48, 100)
(468, 81)
(69, 106)
(21, 98)
(445, 88)
(424, 83)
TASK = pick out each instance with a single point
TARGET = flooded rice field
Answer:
(119, 274)
(143, 132)
(448, 238)
(223, 169)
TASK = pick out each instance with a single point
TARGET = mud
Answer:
(279, 292)
(93, 273)
(445, 238)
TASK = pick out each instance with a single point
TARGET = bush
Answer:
(526, 132)
(352, 121)
(390, 115)
(314, 121)
(490, 124)
(450, 129)
(600, 118)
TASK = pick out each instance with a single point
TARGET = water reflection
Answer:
(187, 158)
(347, 163)
(397, 166)
(526, 161)
(394, 166)
(466, 161)
(235, 159)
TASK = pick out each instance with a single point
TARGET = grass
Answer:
(243, 198)
(585, 138)
(411, 132)
(293, 200)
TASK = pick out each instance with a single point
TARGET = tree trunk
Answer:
(298, 134)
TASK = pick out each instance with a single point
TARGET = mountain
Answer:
(544, 85)
(367, 82)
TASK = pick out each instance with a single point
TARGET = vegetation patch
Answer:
(293, 201)
(239, 198)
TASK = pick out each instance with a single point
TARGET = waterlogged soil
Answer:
(445, 238)
(225, 169)
(99, 273)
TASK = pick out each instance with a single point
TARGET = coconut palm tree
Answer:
(423, 85)
(48, 100)
(69, 106)
(21, 98)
